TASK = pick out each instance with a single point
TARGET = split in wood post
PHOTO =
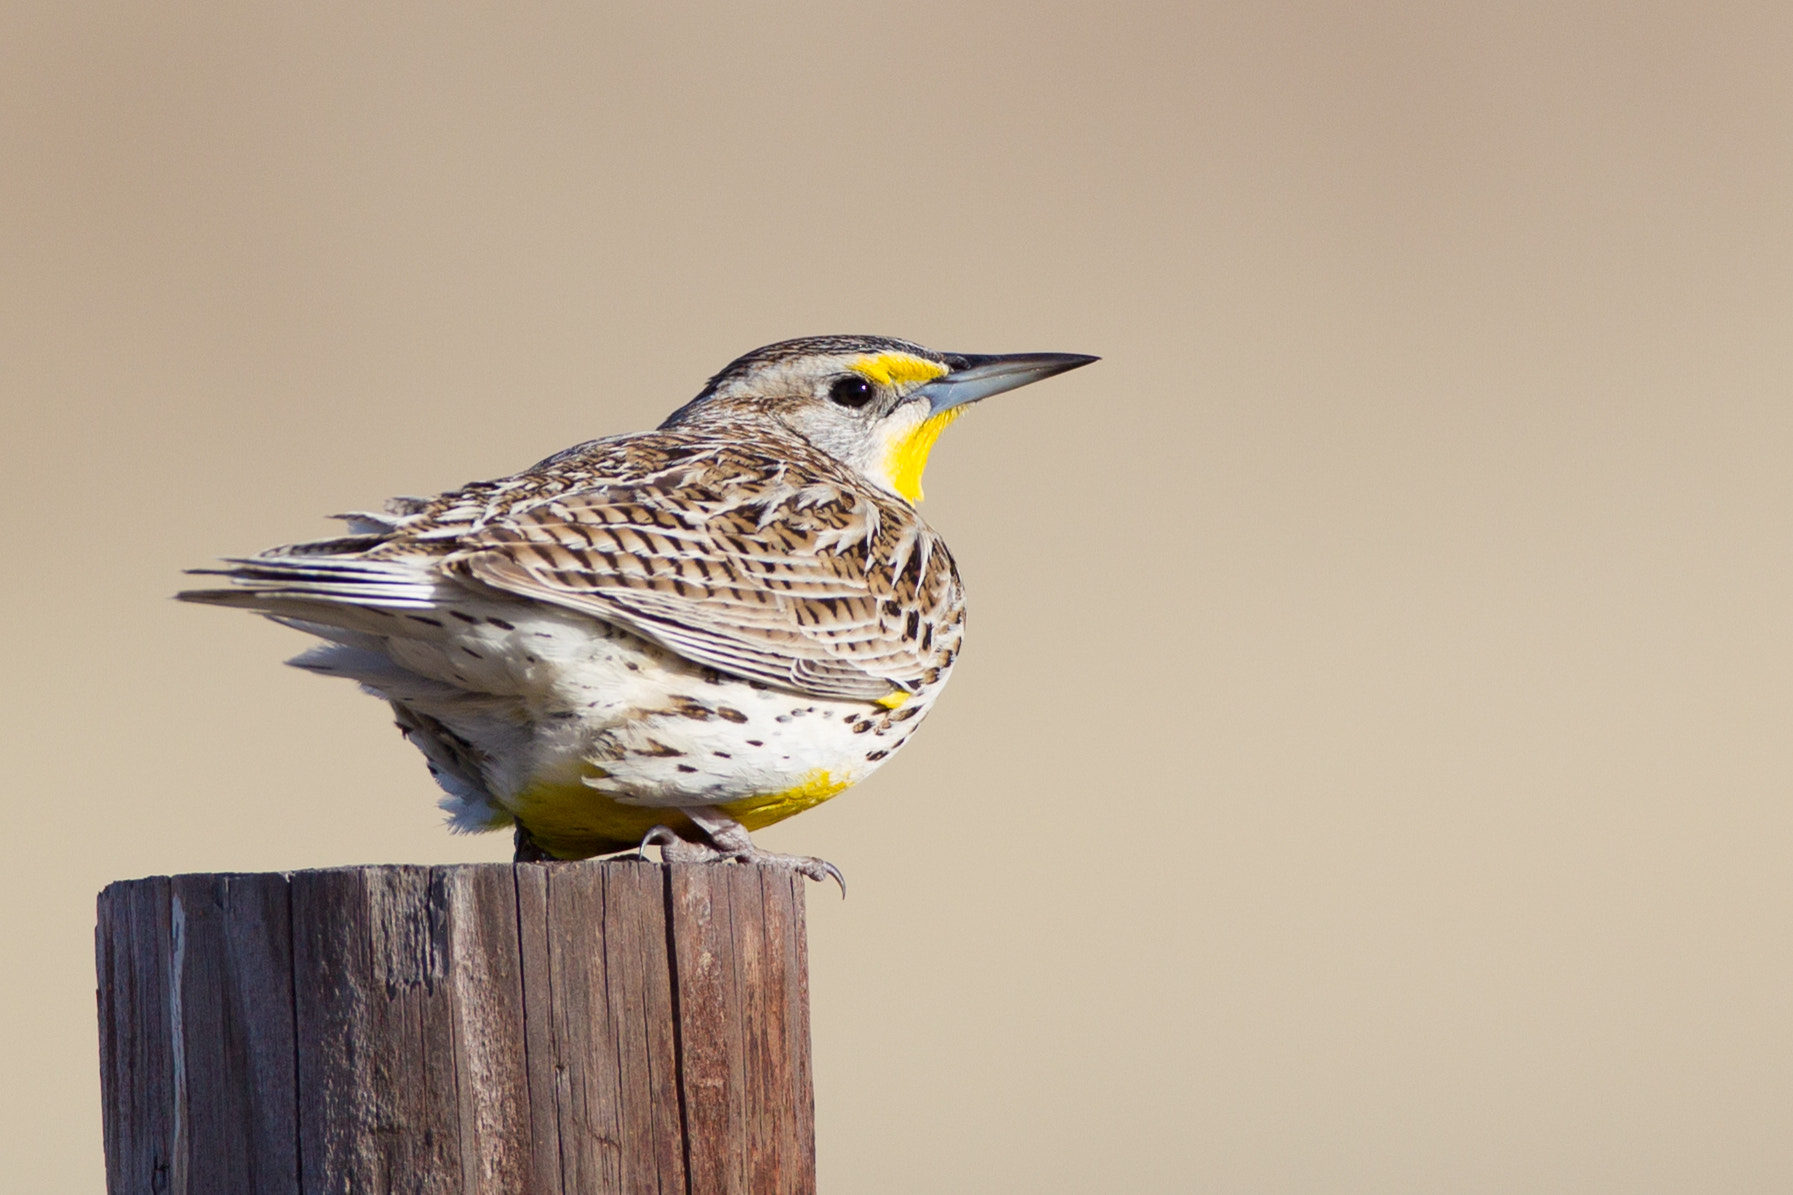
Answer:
(598, 1026)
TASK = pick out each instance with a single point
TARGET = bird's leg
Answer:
(729, 840)
(527, 851)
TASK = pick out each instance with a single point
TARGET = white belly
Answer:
(548, 699)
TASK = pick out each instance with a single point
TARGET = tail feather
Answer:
(359, 595)
(387, 625)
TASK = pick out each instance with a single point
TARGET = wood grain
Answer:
(239, 1118)
(559, 1027)
(136, 1051)
(744, 1024)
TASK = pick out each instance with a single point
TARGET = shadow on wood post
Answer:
(559, 1027)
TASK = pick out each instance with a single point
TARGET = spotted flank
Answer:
(692, 632)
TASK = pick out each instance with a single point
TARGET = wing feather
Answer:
(766, 561)
(797, 577)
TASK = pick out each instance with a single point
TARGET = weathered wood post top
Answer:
(559, 1027)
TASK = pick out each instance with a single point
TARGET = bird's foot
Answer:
(731, 838)
(729, 843)
(804, 865)
(674, 849)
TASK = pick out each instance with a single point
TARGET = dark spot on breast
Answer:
(755, 743)
(875, 756)
(424, 618)
(462, 615)
(685, 767)
(904, 714)
(861, 727)
(912, 565)
(730, 714)
(721, 755)
(471, 652)
(633, 667)
(501, 624)
(661, 750)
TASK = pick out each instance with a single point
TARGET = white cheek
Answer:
(821, 426)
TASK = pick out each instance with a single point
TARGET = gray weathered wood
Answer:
(560, 1027)
(744, 1014)
(236, 1033)
(603, 1007)
(136, 1056)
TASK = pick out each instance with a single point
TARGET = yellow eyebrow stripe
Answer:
(886, 368)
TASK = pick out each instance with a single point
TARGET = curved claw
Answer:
(658, 836)
(729, 842)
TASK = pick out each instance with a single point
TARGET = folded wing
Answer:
(776, 568)
(816, 589)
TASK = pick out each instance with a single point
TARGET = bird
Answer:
(668, 638)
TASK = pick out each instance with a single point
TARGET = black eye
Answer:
(851, 391)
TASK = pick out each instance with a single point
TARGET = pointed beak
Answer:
(973, 378)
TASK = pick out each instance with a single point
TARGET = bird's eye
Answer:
(850, 391)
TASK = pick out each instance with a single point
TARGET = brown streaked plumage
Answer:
(760, 543)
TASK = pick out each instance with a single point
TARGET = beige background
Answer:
(1370, 768)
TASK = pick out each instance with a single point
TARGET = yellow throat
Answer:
(908, 456)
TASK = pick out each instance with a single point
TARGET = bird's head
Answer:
(875, 404)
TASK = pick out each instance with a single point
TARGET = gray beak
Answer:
(973, 378)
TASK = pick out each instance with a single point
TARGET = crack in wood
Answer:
(615, 1026)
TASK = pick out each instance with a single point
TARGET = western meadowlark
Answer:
(672, 637)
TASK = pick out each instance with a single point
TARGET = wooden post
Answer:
(491, 1028)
